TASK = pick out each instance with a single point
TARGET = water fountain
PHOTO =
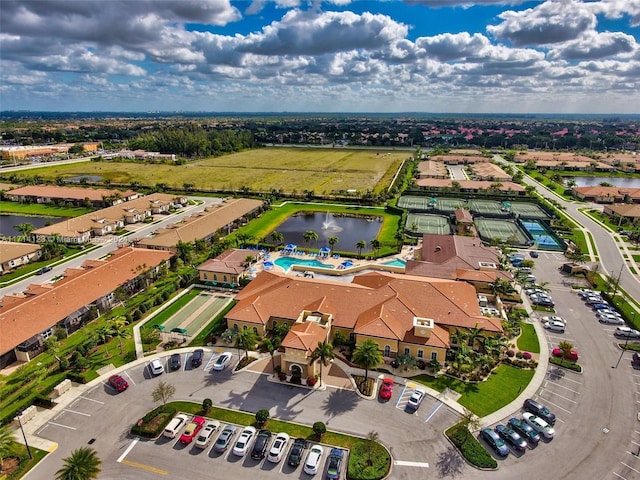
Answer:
(330, 225)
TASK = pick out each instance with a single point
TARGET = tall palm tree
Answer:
(324, 353)
(7, 444)
(360, 244)
(104, 334)
(83, 464)
(246, 340)
(367, 355)
(277, 237)
(271, 345)
(332, 240)
(120, 331)
(375, 246)
(310, 236)
(24, 228)
(475, 334)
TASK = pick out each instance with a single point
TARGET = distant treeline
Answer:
(193, 141)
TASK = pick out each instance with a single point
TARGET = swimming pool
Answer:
(285, 263)
(396, 262)
(543, 237)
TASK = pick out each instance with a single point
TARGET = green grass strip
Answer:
(172, 309)
(528, 340)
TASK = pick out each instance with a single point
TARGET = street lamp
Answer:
(626, 342)
(24, 436)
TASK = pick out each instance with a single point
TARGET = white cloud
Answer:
(593, 45)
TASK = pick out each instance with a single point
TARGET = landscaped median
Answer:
(470, 447)
(368, 460)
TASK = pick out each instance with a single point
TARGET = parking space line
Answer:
(206, 367)
(635, 443)
(75, 411)
(61, 425)
(561, 396)
(433, 412)
(130, 379)
(92, 400)
(403, 463)
(184, 364)
(149, 468)
(618, 475)
(571, 380)
(561, 386)
(629, 466)
(555, 405)
(128, 449)
(401, 395)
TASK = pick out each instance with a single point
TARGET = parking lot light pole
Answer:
(624, 349)
(24, 436)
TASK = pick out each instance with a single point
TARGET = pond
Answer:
(626, 182)
(349, 230)
(7, 222)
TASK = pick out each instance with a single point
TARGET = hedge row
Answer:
(154, 422)
(470, 447)
(561, 362)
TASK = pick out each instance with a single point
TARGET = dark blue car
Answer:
(495, 442)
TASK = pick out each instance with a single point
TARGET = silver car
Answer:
(554, 326)
(627, 332)
(610, 318)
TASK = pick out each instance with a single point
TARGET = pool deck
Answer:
(358, 264)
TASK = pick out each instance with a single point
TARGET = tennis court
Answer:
(436, 224)
(412, 202)
(545, 238)
(488, 207)
(447, 204)
(528, 210)
(505, 230)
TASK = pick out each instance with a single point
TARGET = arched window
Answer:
(387, 351)
(244, 327)
(255, 330)
(235, 327)
(420, 353)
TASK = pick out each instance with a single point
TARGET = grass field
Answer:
(40, 209)
(528, 340)
(322, 170)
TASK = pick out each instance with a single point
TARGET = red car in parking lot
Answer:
(192, 430)
(386, 390)
(119, 383)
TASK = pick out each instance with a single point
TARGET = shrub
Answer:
(510, 353)
(154, 422)
(262, 417)
(561, 362)
(311, 381)
(207, 403)
(519, 355)
(526, 355)
(319, 429)
(421, 364)
(470, 447)
(282, 376)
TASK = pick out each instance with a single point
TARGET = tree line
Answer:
(193, 141)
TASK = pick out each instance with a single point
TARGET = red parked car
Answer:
(192, 430)
(386, 390)
(119, 383)
(573, 355)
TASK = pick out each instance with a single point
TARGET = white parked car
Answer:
(244, 440)
(554, 326)
(416, 399)
(206, 434)
(539, 425)
(609, 317)
(627, 332)
(222, 361)
(314, 458)
(278, 447)
(156, 366)
(554, 318)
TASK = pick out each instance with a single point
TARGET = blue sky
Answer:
(487, 56)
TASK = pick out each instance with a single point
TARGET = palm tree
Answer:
(475, 334)
(360, 244)
(7, 444)
(332, 240)
(399, 237)
(324, 353)
(309, 236)
(277, 237)
(246, 340)
(120, 331)
(184, 251)
(367, 355)
(83, 464)
(104, 334)
(372, 438)
(24, 228)
(375, 245)
(271, 345)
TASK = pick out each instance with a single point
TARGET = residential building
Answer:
(599, 194)
(402, 314)
(491, 172)
(227, 268)
(431, 169)
(470, 186)
(220, 218)
(96, 197)
(27, 318)
(14, 254)
(625, 211)
(14, 153)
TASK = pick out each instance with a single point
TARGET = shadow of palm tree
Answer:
(555, 373)
(449, 463)
(340, 402)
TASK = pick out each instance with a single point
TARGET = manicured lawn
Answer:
(172, 309)
(502, 387)
(528, 340)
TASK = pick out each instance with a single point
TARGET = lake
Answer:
(349, 230)
(627, 182)
(7, 222)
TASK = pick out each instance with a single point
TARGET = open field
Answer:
(321, 170)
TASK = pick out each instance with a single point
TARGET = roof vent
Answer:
(438, 248)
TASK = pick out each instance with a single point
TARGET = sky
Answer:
(432, 56)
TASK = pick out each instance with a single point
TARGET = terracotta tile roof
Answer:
(13, 250)
(231, 261)
(463, 216)
(4, 187)
(490, 170)
(468, 184)
(377, 303)
(305, 336)
(72, 193)
(439, 338)
(631, 210)
(203, 224)
(599, 191)
(45, 305)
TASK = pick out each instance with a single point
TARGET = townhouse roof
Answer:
(463, 216)
(75, 193)
(490, 170)
(4, 187)
(576, 164)
(600, 191)
(305, 336)
(631, 210)
(203, 224)
(230, 261)
(460, 158)
(376, 303)
(469, 184)
(84, 223)
(558, 156)
(430, 168)
(43, 306)
(13, 250)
